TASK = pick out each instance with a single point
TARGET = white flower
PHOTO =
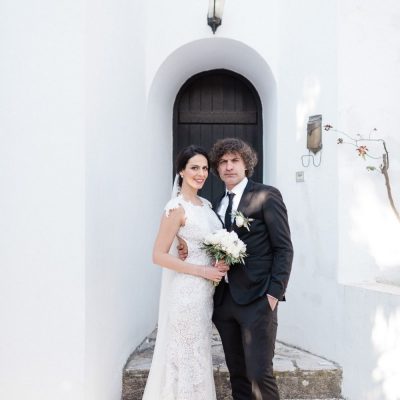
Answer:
(239, 221)
(224, 244)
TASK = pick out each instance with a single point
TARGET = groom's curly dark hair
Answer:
(233, 145)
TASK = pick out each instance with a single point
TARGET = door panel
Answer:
(213, 105)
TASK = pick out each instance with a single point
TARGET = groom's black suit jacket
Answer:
(270, 253)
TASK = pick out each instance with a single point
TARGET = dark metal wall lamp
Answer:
(214, 16)
(314, 141)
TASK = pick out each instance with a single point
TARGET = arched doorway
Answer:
(213, 105)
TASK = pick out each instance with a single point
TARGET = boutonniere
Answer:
(241, 220)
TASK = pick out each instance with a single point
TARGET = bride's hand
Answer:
(221, 266)
(212, 273)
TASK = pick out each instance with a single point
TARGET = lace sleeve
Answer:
(206, 202)
(173, 204)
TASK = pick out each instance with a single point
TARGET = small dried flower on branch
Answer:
(363, 152)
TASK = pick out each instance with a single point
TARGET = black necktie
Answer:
(228, 217)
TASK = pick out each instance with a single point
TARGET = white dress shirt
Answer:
(223, 205)
(238, 190)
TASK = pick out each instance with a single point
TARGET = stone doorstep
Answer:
(299, 374)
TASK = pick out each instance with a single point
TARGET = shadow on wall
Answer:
(373, 226)
(386, 341)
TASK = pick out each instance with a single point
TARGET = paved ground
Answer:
(287, 358)
(300, 374)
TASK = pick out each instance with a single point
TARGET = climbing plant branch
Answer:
(360, 144)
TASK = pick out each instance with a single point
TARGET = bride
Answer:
(182, 366)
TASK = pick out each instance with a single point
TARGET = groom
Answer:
(246, 302)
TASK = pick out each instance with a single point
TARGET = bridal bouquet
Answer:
(225, 245)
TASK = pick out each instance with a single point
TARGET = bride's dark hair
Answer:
(185, 155)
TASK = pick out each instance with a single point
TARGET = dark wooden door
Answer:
(213, 105)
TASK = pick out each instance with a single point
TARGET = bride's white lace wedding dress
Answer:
(182, 365)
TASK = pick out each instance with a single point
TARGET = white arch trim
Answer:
(202, 55)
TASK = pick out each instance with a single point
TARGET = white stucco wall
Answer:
(42, 126)
(85, 167)
(309, 57)
(350, 239)
(369, 94)
(73, 178)
(121, 299)
(368, 97)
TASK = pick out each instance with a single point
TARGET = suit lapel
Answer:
(246, 196)
(245, 201)
(215, 207)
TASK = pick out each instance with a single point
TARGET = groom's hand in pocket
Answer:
(182, 249)
(272, 301)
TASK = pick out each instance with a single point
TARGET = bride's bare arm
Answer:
(169, 227)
